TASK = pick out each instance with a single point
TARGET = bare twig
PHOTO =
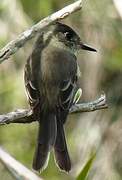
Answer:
(19, 42)
(26, 116)
(18, 170)
(118, 5)
(99, 103)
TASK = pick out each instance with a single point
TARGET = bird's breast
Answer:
(57, 64)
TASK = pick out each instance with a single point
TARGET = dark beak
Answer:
(88, 48)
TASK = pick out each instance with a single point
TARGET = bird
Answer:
(51, 82)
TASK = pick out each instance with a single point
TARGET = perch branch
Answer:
(26, 116)
(99, 103)
(18, 170)
(21, 39)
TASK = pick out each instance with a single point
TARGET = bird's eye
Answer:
(68, 36)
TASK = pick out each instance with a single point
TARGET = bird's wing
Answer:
(31, 90)
(31, 73)
(68, 85)
(67, 92)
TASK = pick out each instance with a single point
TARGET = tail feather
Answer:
(60, 148)
(46, 140)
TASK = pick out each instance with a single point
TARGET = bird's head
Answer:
(68, 37)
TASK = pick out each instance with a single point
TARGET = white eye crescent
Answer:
(68, 35)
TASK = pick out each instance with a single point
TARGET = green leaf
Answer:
(84, 172)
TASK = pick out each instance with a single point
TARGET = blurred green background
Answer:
(100, 25)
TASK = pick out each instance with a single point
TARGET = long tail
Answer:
(60, 148)
(46, 140)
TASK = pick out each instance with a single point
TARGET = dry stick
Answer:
(26, 116)
(118, 5)
(16, 168)
(19, 42)
(97, 104)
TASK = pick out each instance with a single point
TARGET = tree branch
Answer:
(26, 116)
(18, 170)
(19, 42)
(118, 5)
(98, 104)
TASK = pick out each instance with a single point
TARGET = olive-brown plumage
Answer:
(51, 83)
